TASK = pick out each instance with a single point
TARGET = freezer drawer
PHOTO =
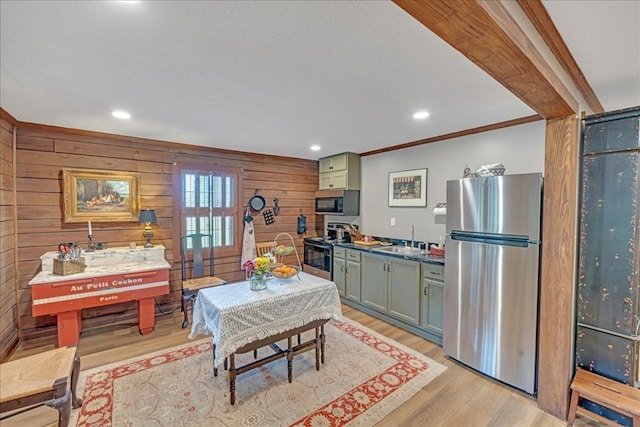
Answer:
(491, 306)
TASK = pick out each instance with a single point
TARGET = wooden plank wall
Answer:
(8, 308)
(43, 151)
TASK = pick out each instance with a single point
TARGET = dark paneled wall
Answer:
(608, 282)
(42, 153)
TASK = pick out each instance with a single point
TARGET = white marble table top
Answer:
(106, 262)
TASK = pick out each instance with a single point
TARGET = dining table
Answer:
(241, 320)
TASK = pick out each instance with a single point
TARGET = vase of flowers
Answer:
(258, 272)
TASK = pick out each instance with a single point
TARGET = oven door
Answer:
(318, 259)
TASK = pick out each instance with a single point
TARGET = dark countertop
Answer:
(418, 257)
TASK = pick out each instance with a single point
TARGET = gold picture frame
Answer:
(100, 195)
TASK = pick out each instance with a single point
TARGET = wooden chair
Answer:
(49, 378)
(266, 247)
(200, 247)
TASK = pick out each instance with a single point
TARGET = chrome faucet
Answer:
(412, 235)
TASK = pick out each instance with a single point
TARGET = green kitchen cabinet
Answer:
(340, 269)
(340, 172)
(374, 281)
(432, 298)
(392, 285)
(346, 272)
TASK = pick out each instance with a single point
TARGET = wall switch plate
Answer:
(393, 222)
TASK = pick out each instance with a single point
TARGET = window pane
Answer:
(204, 225)
(217, 231)
(190, 223)
(216, 189)
(204, 191)
(228, 196)
(228, 231)
(189, 191)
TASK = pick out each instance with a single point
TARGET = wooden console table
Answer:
(242, 320)
(112, 276)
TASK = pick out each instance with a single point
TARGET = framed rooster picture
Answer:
(100, 195)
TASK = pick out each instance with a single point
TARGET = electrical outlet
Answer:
(393, 222)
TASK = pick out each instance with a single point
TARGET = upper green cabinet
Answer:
(340, 172)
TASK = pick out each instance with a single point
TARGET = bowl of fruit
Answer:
(283, 250)
(285, 271)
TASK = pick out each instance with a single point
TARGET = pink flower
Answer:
(249, 266)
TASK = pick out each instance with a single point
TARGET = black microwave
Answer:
(338, 202)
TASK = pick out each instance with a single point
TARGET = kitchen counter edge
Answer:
(420, 258)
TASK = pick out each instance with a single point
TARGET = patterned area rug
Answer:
(364, 378)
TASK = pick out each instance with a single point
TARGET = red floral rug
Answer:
(364, 378)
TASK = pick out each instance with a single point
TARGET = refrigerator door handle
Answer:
(493, 239)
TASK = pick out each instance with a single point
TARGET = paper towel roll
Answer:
(440, 215)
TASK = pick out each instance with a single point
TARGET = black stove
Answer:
(327, 240)
(318, 251)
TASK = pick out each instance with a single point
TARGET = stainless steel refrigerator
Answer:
(492, 276)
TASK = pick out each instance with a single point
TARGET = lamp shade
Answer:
(148, 215)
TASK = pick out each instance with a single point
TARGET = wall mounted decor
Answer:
(408, 188)
(100, 195)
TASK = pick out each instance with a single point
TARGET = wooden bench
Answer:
(49, 378)
(614, 395)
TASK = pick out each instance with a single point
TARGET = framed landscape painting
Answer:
(408, 188)
(101, 196)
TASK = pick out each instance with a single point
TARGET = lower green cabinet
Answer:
(392, 285)
(432, 304)
(346, 272)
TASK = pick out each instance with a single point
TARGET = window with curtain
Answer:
(208, 203)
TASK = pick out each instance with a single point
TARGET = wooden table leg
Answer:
(290, 359)
(232, 378)
(322, 340)
(146, 315)
(213, 353)
(317, 345)
(68, 328)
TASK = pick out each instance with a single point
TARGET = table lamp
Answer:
(147, 216)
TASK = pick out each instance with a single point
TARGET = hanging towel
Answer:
(248, 240)
(302, 224)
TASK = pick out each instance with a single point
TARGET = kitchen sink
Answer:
(400, 250)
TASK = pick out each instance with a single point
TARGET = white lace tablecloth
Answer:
(237, 316)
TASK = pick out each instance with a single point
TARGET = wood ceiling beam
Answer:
(457, 134)
(539, 17)
(487, 34)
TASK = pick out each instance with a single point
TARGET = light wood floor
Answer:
(458, 397)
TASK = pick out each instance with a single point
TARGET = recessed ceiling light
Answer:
(315, 148)
(121, 114)
(421, 115)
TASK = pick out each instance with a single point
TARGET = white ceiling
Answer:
(276, 77)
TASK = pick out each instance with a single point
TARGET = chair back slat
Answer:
(198, 244)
